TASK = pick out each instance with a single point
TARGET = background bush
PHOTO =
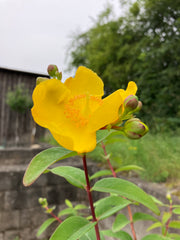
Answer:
(19, 99)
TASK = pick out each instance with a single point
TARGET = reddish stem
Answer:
(88, 189)
(131, 222)
(168, 222)
(112, 127)
(114, 175)
(108, 160)
(53, 215)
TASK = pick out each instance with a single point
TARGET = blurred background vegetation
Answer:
(142, 46)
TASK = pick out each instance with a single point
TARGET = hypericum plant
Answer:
(79, 118)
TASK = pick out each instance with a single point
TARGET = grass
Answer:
(158, 154)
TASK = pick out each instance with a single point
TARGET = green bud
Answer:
(168, 196)
(43, 202)
(135, 129)
(139, 106)
(52, 69)
(130, 103)
(40, 79)
(58, 75)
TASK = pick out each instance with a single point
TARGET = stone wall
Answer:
(20, 213)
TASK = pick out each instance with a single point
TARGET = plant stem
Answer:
(114, 175)
(131, 223)
(168, 221)
(53, 215)
(108, 160)
(88, 189)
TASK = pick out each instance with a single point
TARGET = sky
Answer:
(36, 33)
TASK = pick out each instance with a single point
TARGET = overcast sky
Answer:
(35, 33)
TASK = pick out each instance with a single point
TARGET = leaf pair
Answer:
(48, 157)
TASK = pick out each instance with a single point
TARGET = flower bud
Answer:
(58, 75)
(130, 103)
(40, 79)
(43, 202)
(139, 106)
(135, 129)
(168, 196)
(52, 69)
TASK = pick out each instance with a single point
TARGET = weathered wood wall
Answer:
(15, 128)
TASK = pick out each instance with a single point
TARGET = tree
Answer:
(143, 46)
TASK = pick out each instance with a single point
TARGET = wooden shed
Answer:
(17, 129)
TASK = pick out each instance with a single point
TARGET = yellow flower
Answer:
(73, 111)
(131, 90)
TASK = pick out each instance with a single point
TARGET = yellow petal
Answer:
(131, 90)
(48, 110)
(85, 82)
(64, 141)
(50, 98)
(107, 113)
(80, 140)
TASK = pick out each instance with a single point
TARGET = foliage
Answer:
(157, 154)
(19, 99)
(142, 46)
(122, 194)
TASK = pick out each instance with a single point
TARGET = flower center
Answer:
(79, 108)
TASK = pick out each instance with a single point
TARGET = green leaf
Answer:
(175, 236)
(120, 222)
(109, 205)
(45, 225)
(102, 134)
(157, 201)
(113, 140)
(80, 206)
(176, 210)
(120, 235)
(68, 203)
(174, 224)
(165, 217)
(126, 189)
(74, 176)
(155, 237)
(91, 235)
(128, 168)
(101, 173)
(84, 230)
(42, 161)
(72, 228)
(155, 225)
(175, 206)
(138, 216)
(67, 211)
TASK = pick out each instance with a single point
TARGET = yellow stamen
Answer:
(79, 108)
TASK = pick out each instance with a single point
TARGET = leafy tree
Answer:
(143, 46)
